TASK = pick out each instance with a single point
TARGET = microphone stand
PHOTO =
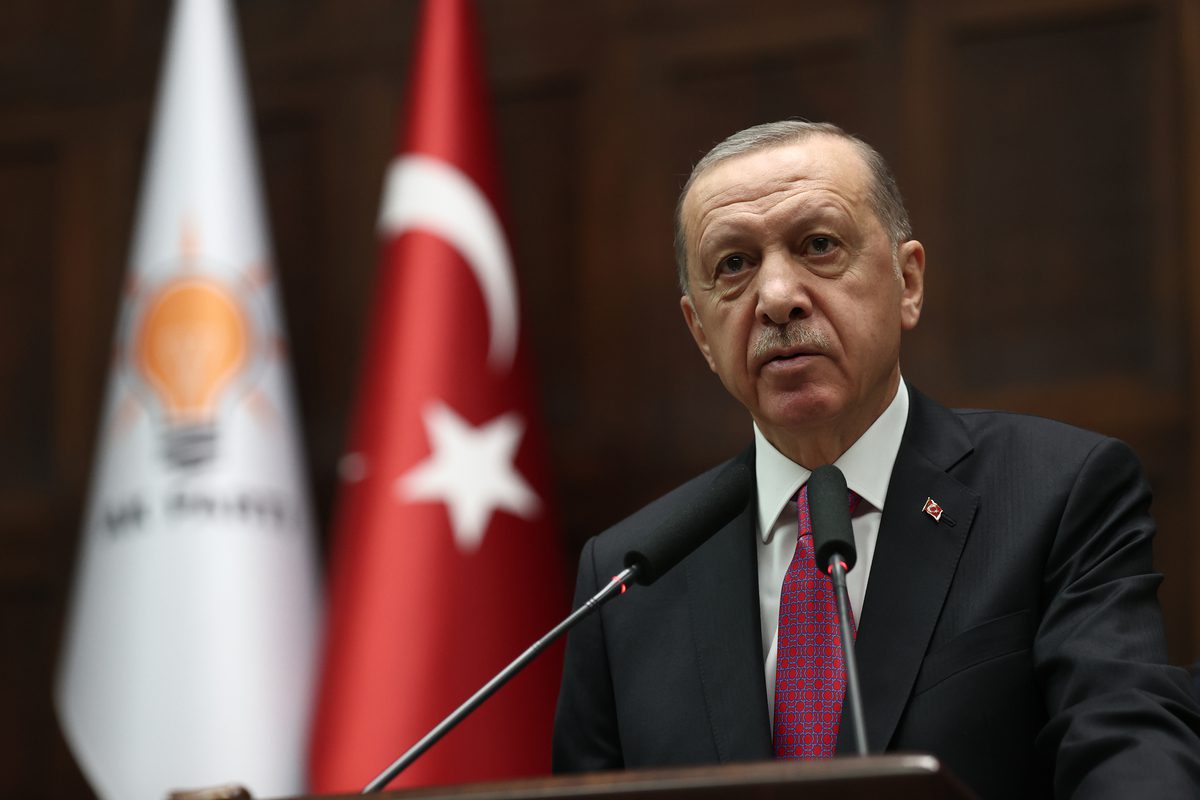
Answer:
(837, 574)
(504, 676)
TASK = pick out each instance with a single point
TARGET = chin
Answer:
(800, 410)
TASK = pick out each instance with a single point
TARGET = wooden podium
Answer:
(895, 777)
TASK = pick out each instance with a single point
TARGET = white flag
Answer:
(189, 652)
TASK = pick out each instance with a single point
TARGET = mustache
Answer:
(795, 334)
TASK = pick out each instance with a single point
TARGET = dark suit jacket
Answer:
(1019, 639)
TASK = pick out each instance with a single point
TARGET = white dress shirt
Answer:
(867, 466)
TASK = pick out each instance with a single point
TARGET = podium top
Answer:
(899, 776)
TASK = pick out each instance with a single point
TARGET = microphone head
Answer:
(829, 509)
(694, 525)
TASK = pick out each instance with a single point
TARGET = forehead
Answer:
(819, 162)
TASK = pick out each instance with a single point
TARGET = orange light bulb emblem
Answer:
(193, 340)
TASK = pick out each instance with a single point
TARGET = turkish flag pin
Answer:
(933, 509)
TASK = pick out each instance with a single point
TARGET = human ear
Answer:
(910, 257)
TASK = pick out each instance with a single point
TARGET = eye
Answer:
(821, 245)
(731, 265)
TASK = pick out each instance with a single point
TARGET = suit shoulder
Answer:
(987, 422)
(1033, 435)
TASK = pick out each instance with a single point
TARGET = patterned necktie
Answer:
(810, 678)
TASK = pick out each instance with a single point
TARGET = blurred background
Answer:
(1049, 151)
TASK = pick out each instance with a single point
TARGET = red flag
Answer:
(446, 564)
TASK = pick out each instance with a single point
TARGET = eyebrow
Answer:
(721, 233)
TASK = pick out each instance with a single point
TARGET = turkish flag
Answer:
(446, 563)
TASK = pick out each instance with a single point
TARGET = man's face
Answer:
(794, 297)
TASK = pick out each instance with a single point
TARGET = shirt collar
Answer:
(867, 465)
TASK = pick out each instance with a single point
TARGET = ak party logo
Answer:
(195, 346)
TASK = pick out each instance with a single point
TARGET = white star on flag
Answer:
(471, 471)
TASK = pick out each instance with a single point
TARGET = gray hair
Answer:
(883, 193)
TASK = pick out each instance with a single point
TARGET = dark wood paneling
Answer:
(295, 165)
(29, 184)
(1185, 22)
(538, 128)
(1057, 240)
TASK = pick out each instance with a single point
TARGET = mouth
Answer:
(784, 358)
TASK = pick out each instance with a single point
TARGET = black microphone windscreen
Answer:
(694, 525)
(829, 509)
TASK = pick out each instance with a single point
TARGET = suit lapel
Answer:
(914, 562)
(722, 588)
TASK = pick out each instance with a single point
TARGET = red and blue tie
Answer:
(810, 678)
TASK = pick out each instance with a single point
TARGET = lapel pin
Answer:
(933, 509)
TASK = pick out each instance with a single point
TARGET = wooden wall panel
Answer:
(29, 171)
(538, 131)
(41, 480)
(1056, 229)
(38, 501)
(28, 611)
(295, 164)
(1184, 21)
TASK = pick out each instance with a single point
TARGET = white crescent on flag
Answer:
(429, 194)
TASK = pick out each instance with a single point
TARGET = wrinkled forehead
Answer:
(820, 161)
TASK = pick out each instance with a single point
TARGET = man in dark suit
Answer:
(1005, 597)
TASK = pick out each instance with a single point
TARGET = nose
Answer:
(782, 293)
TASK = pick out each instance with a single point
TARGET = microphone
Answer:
(685, 531)
(681, 534)
(834, 552)
(830, 514)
